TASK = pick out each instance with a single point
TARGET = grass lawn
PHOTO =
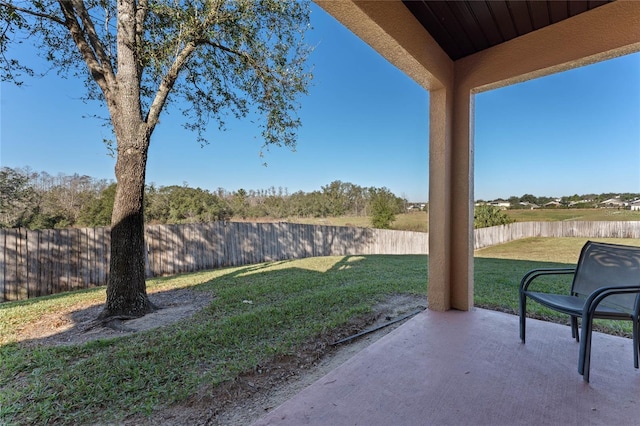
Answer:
(418, 221)
(258, 313)
(550, 215)
(291, 303)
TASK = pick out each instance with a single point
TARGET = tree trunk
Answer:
(126, 288)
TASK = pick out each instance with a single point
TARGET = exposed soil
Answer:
(253, 394)
(77, 324)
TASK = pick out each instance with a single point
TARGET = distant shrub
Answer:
(485, 216)
(383, 207)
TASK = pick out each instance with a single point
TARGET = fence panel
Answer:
(10, 290)
(49, 261)
(485, 237)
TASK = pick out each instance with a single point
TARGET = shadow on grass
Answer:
(256, 314)
(236, 289)
(68, 318)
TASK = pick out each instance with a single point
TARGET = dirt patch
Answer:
(251, 395)
(76, 324)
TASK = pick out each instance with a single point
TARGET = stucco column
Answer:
(462, 200)
(450, 199)
(438, 294)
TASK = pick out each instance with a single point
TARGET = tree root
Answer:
(113, 322)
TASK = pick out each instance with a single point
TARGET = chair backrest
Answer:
(605, 265)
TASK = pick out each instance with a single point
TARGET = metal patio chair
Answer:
(606, 285)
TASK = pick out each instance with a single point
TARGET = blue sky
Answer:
(364, 122)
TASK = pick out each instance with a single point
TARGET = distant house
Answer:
(416, 207)
(635, 205)
(528, 205)
(502, 204)
(613, 203)
(553, 204)
(580, 203)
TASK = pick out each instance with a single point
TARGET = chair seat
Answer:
(572, 305)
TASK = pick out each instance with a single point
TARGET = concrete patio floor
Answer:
(469, 368)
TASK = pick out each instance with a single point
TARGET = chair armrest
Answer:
(588, 312)
(594, 299)
(535, 273)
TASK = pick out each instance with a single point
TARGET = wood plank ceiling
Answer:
(462, 28)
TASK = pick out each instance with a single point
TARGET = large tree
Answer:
(211, 58)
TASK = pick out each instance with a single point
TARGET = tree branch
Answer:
(261, 70)
(85, 48)
(170, 78)
(35, 13)
(167, 83)
(96, 45)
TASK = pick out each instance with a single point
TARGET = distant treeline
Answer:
(38, 200)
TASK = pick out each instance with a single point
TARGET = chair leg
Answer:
(574, 328)
(523, 316)
(584, 362)
(636, 343)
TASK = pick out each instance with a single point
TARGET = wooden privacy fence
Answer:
(49, 261)
(485, 237)
(41, 262)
